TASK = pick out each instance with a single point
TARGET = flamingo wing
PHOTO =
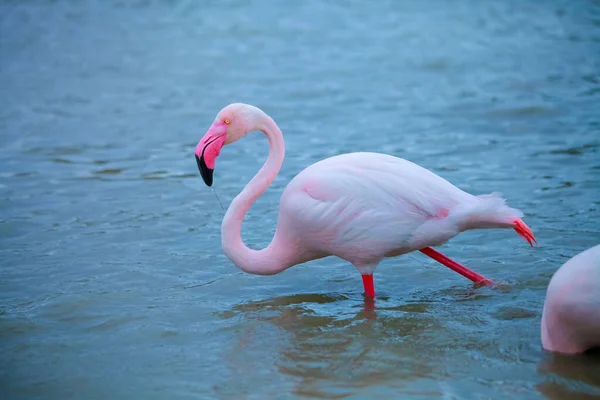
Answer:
(368, 203)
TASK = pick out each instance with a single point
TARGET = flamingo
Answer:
(361, 207)
(571, 315)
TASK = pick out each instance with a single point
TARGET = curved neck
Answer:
(275, 257)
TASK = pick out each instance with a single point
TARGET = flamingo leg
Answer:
(369, 286)
(456, 267)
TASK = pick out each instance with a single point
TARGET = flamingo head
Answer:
(232, 122)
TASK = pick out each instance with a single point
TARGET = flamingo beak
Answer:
(205, 172)
(208, 149)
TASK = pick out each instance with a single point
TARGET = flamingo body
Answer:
(571, 315)
(361, 207)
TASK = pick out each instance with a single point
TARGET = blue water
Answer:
(113, 283)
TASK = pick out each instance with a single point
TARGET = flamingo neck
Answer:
(276, 257)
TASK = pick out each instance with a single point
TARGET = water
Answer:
(113, 282)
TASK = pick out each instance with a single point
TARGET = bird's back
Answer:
(382, 180)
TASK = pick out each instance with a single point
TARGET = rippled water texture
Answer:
(113, 282)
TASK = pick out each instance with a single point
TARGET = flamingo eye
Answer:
(227, 121)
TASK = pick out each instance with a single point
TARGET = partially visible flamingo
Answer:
(571, 316)
(360, 207)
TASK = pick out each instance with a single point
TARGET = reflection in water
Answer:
(584, 370)
(334, 345)
(347, 345)
(369, 308)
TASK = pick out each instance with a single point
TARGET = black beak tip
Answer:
(207, 173)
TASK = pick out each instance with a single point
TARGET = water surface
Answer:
(113, 282)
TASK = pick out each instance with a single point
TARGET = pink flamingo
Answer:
(360, 207)
(571, 316)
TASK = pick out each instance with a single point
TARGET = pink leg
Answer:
(456, 267)
(369, 286)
